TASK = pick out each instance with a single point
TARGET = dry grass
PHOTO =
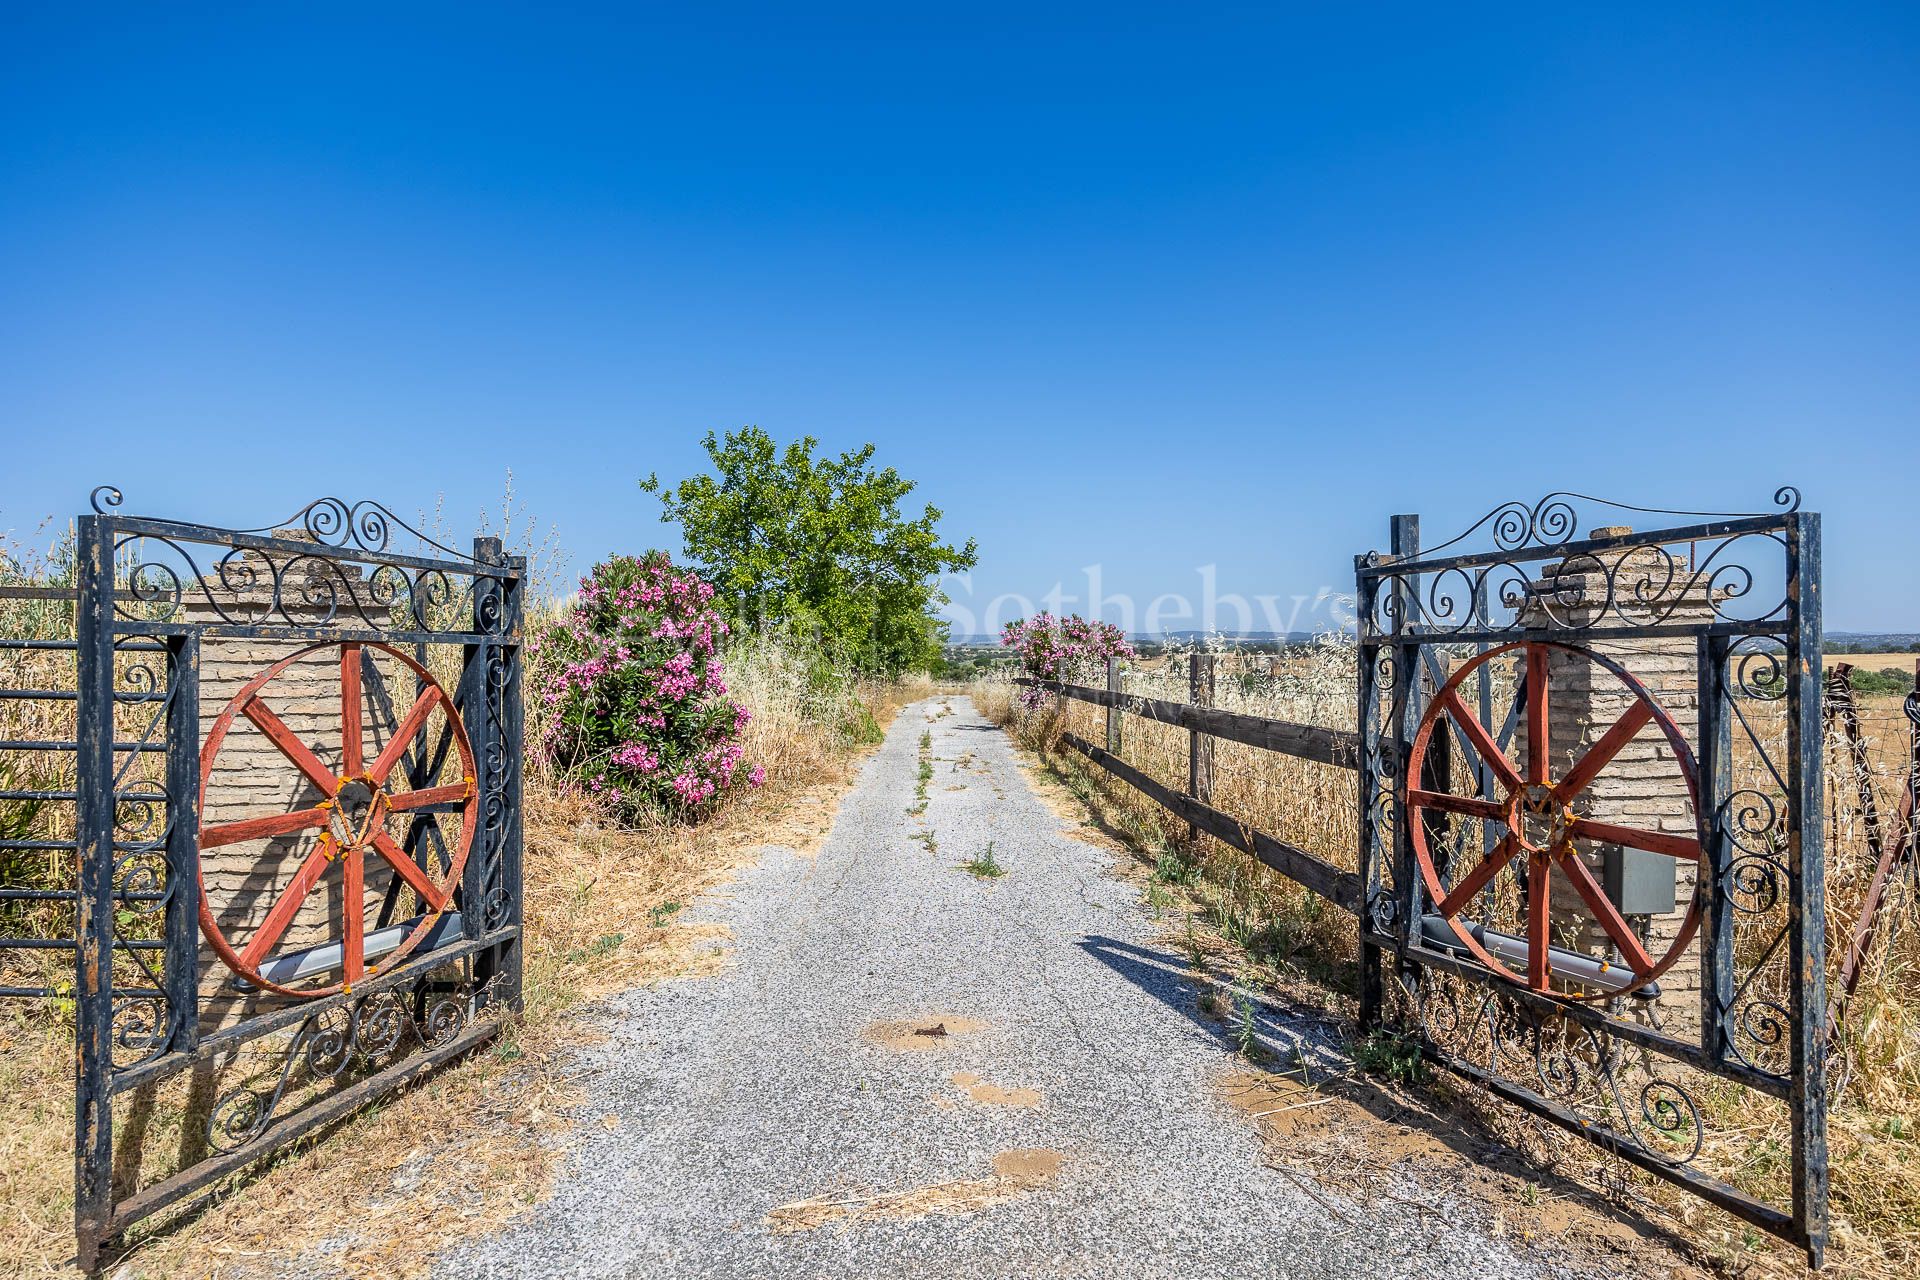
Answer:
(475, 1144)
(1247, 921)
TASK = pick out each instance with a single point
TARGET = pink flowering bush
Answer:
(1072, 648)
(635, 692)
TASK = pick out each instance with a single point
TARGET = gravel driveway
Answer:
(911, 1071)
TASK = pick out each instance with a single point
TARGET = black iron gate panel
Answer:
(296, 830)
(1591, 842)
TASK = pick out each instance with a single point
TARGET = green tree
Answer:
(791, 538)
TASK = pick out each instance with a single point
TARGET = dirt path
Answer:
(908, 1070)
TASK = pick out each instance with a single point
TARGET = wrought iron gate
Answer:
(307, 896)
(1588, 774)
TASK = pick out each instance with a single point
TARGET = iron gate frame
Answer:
(1409, 602)
(129, 857)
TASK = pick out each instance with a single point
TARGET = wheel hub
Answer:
(359, 804)
(1538, 821)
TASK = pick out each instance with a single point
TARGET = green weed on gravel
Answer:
(983, 866)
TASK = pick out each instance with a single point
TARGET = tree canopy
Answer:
(789, 537)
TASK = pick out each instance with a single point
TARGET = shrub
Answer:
(636, 695)
(1051, 648)
(1886, 680)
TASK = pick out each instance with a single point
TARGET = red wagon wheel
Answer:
(351, 820)
(1536, 810)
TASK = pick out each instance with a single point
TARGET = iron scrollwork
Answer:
(1554, 521)
(351, 574)
(1637, 583)
(333, 1042)
(1577, 1066)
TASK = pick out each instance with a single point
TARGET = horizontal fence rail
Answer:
(1336, 747)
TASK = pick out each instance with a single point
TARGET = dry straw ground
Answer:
(1248, 925)
(382, 1192)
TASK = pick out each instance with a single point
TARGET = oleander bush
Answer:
(633, 686)
(1071, 648)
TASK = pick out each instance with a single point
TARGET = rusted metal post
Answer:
(1200, 691)
(1806, 889)
(1405, 535)
(1113, 706)
(93, 960)
(491, 889)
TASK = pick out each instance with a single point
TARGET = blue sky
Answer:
(1151, 288)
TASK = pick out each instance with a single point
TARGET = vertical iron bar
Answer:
(1482, 611)
(477, 718)
(511, 955)
(1408, 672)
(1717, 979)
(1365, 602)
(183, 841)
(94, 822)
(1806, 969)
(472, 698)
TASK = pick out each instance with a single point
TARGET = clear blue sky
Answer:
(1153, 287)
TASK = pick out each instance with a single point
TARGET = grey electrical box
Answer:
(1638, 882)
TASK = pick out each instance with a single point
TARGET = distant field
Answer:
(1874, 661)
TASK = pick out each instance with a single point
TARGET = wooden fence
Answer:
(1204, 723)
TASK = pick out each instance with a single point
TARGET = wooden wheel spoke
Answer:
(431, 894)
(1482, 741)
(1463, 893)
(1539, 746)
(1601, 753)
(286, 906)
(1539, 922)
(279, 824)
(405, 734)
(1615, 924)
(1466, 806)
(428, 795)
(351, 741)
(1634, 838)
(353, 915)
(290, 745)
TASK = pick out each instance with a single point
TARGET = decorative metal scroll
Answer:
(1663, 1031)
(335, 1045)
(330, 564)
(365, 526)
(1726, 570)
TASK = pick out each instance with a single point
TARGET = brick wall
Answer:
(1643, 786)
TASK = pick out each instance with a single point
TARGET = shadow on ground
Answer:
(1291, 1037)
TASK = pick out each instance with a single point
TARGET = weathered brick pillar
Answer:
(1643, 787)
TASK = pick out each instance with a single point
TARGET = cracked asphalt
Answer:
(719, 1103)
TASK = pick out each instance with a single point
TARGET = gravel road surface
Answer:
(802, 1114)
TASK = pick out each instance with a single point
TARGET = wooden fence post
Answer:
(1199, 745)
(1113, 709)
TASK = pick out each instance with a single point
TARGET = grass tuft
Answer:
(983, 866)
